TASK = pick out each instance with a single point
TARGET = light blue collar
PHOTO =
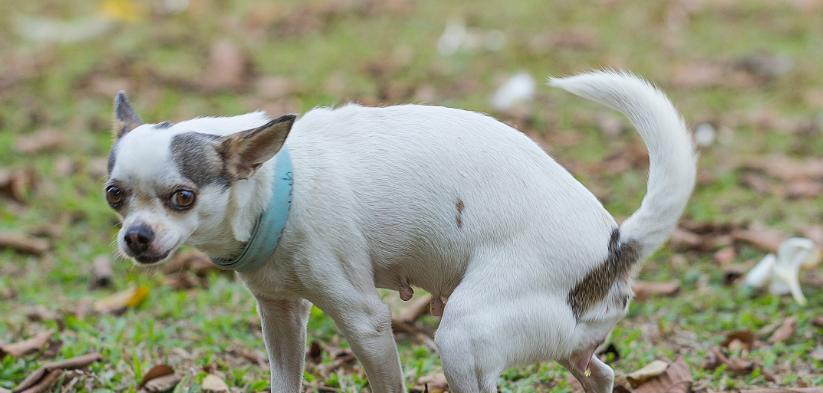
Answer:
(269, 227)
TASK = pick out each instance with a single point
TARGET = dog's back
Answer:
(428, 187)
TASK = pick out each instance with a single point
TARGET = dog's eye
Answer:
(115, 196)
(182, 199)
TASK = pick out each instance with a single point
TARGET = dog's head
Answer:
(172, 183)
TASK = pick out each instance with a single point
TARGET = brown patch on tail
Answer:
(597, 283)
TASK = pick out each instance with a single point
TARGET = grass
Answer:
(68, 87)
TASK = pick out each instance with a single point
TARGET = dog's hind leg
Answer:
(600, 378)
(466, 368)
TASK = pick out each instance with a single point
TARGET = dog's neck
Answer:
(247, 201)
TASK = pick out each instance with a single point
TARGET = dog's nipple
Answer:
(406, 291)
(437, 306)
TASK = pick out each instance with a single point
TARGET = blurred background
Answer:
(746, 75)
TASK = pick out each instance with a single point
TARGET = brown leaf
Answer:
(252, 356)
(165, 383)
(45, 372)
(44, 383)
(227, 67)
(818, 322)
(676, 379)
(739, 338)
(684, 239)
(814, 233)
(765, 66)
(40, 141)
(549, 42)
(273, 87)
(649, 371)
(24, 243)
(340, 358)
(121, 300)
(40, 313)
(645, 289)
(803, 188)
(414, 310)
(733, 273)
(785, 168)
(194, 261)
(703, 75)
(435, 383)
(16, 183)
(760, 184)
(101, 272)
(158, 379)
(213, 384)
(783, 390)
(725, 256)
(763, 238)
(735, 365)
(27, 346)
(785, 331)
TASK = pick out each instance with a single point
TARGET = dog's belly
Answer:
(432, 188)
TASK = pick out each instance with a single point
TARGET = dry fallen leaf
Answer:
(227, 67)
(735, 365)
(783, 390)
(23, 243)
(647, 372)
(739, 339)
(785, 331)
(252, 356)
(45, 376)
(818, 322)
(40, 141)
(414, 310)
(644, 289)
(340, 358)
(676, 379)
(764, 238)
(435, 383)
(813, 232)
(785, 168)
(160, 378)
(193, 261)
(213, 384)
(804, 188)
(725, 255)
(121, 300)
(101, 272)
(16, 183)
(27, 346)
(40, 313)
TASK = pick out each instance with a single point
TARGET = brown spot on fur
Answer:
(599, 281)
(459, 218)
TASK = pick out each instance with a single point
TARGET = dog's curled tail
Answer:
(672, 157)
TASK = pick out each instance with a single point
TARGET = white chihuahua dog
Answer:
(524, 263)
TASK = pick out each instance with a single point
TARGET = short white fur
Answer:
(447, 200)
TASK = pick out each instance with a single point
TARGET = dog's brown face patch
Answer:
(599, 281)
(197, 159)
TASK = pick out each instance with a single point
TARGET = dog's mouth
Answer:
(148, 258)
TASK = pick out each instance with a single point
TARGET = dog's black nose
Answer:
(138, 238)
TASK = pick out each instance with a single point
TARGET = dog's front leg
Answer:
(284, 332)
(365, 321)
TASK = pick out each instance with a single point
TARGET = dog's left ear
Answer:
(125, 119)
(245, 151)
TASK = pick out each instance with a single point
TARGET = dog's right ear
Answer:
(125, 119)
(243, 152)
